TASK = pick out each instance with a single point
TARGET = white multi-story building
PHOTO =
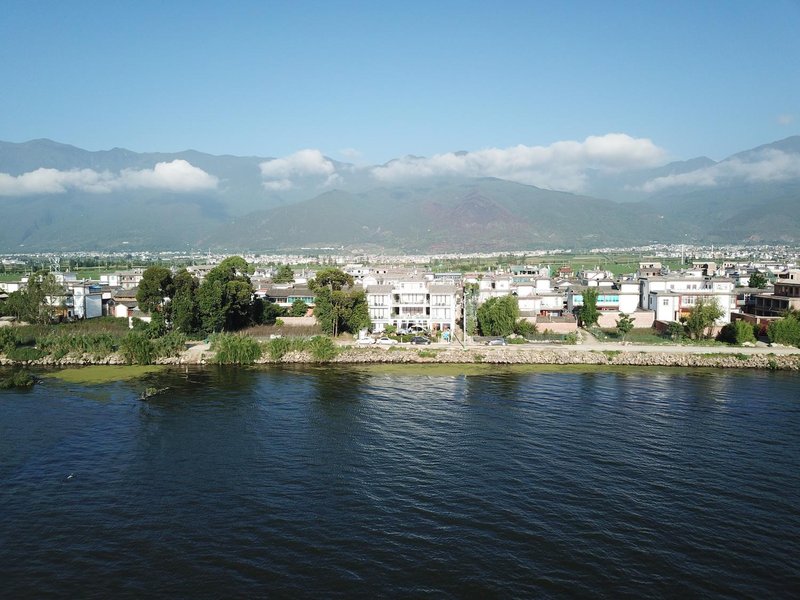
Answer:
(413, 303)
(673, 297)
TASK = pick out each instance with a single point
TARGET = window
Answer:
(665, 302)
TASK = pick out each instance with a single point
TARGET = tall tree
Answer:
(588, 313)
(284, 274)
(225, 296)
(331, 278)
(183, 308)
(338, 309)
(156, 285)
(42, 297)
(498, 316)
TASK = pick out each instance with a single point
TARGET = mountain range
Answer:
(56, 197)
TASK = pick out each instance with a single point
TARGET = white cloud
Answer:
(767, 165)
(785, 119)
(279, 173)
(175, 176)
(561, 165)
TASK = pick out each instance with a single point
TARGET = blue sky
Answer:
(369, 81)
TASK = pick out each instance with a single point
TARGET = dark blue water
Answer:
(345, 483)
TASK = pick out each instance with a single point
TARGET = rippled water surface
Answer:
(343, 483)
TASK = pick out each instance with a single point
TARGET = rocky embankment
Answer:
(200, 355)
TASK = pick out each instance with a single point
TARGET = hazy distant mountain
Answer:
(56, 196)
(481, 214)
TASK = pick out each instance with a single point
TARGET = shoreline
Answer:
(786, 359)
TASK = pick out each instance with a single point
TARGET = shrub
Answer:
(171, 344)
(738, 332)
(516, 340)
(17, 379)
(675, 331)
(234, 349)
(323, 348)
(25, 353)
(571, 338)
(785, 331)
(525, 328)
(427, 353)
(137, 348)
(8, 339)
(278, 347)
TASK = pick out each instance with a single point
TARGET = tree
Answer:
(40, 299)
(284, 274)
(588, 313)
(336, 308)
(341, 310)
(757, 280)
(624, 325)
(225, 296)
(498, 316)
(183, 309)
(155, 286)
(299, 309)
(702, 316)
(331, 278)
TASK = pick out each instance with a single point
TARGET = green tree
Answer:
(588, 313)
(785, 330)
(225, 297)
(299, 309)
(702, 316)
(498, 316)
(341, 310)
(338, 309)
(41, 298)
(183, 309)
(155, 286)
(757, 280)
(331, 278)
(284, 274)
(624, 325)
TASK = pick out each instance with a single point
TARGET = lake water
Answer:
(359, 483)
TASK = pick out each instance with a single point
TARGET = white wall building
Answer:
(413, 303)
(673, 297)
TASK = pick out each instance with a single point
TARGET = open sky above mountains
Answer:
(534, 92)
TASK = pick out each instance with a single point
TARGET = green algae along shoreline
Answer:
(784, 359)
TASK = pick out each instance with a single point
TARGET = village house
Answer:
(672, 297)
(785, 296)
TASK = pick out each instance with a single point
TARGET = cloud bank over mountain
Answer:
(559, 166)
(175, 176)
(767, 165)
(280, 173)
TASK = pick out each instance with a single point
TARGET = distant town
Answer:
(652, 286)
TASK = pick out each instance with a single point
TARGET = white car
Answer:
(365, 341)
(386, 341)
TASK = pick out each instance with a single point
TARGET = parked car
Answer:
(386, 341)
(420, 340)
(497, 342)
(365, 341)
